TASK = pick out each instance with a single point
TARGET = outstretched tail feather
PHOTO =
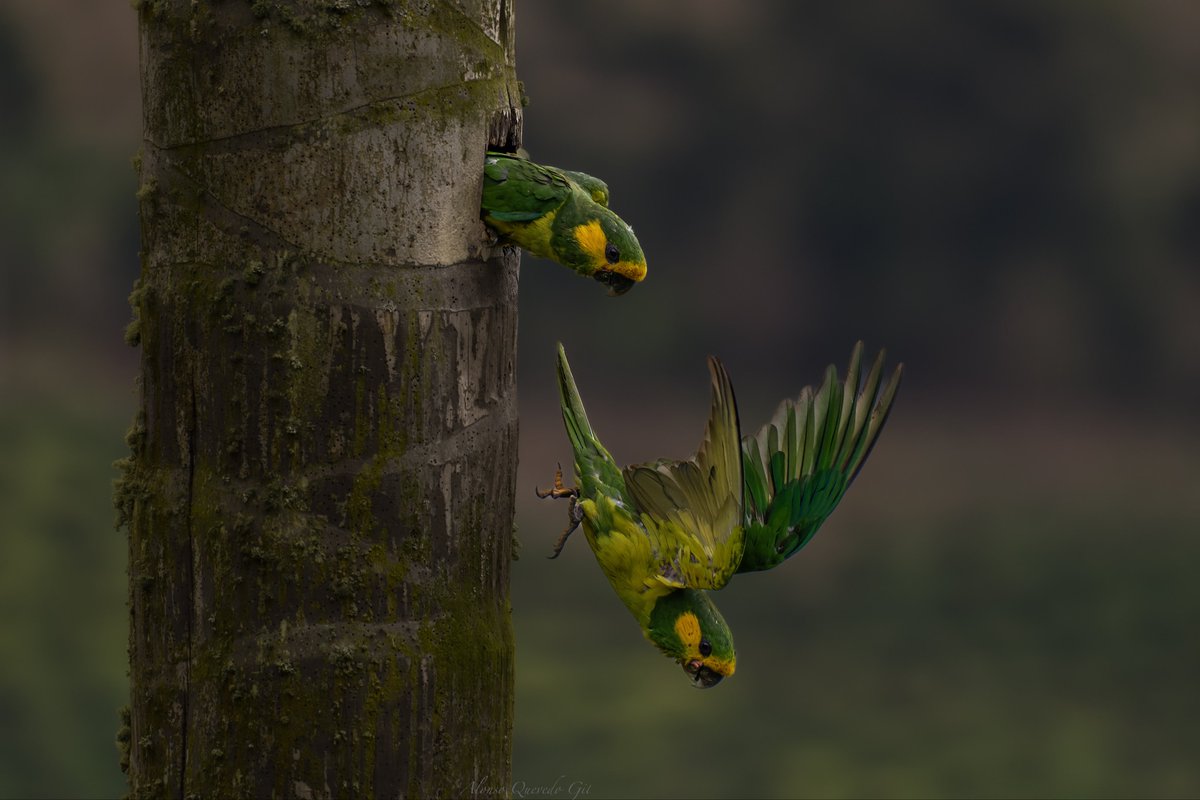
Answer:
(579, 430)
(594, 467)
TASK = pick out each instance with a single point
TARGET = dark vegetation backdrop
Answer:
(1005, 194)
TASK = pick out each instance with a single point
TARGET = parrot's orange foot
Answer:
(574, 511)
(558, 491)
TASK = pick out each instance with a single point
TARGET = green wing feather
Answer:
(517, 190)
(801, 463)
(692, 509)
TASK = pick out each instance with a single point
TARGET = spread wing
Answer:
(692, 509)
(802, 462)
(517, 190)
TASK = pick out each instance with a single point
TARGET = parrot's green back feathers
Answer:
(515, 190)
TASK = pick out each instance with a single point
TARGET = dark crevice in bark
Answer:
(186, 694)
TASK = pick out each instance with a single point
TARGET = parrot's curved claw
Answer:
(575, 515)
(574, 511)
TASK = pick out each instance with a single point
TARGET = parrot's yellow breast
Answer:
(534, 236)
(625, 556)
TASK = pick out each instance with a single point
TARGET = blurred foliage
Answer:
(1005, 191)
(971, 623)
(1015, 654)
(62, 596)
(1005, 194)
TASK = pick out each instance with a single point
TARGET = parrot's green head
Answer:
(605, 248)
(687, 627)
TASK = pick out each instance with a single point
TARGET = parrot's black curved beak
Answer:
(702, 677)
(617, 284)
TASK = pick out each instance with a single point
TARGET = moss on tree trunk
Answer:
(320, 490)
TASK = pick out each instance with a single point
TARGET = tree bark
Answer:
(320, 490)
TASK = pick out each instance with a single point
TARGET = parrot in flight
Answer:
(563, 216)
(668, 532)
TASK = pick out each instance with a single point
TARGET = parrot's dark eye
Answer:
(705, 647)
(612, 254)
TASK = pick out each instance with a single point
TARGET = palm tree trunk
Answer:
(320, 491)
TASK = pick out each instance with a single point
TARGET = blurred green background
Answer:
(1004, 194)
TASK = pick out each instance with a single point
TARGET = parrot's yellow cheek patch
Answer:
(687, 627)
(591, 239)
